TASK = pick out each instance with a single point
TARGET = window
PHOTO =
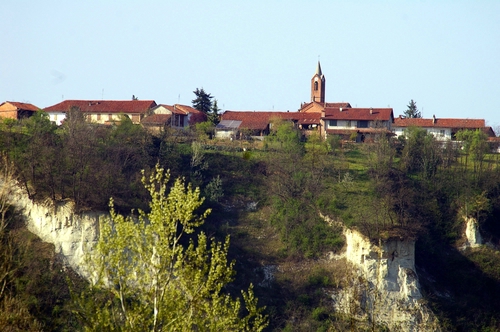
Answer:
(332, 123)
(441, 133)
(315, 86)
(363, 124)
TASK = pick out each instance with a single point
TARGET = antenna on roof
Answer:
(102, 94)
(179, 99)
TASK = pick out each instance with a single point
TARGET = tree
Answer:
(412, 111)
(157, 279)
(475, 144)
(203, 101)
(34, 151)
(214, 113)
(421, 153)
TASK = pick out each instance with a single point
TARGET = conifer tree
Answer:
(203, 101)
(412, 111)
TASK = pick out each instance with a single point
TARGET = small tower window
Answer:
(315, 86)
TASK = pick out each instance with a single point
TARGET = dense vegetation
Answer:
(268, 196)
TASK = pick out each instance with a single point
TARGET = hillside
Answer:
(272, 197)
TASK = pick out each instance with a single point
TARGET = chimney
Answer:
(340, 109)
(371, 110)
(433, 119)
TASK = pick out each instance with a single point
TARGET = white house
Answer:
(361, 122)
(441, 128)
(102, 111)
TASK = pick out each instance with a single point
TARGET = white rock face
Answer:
(385, 289)
(70, 233)
(472, 233)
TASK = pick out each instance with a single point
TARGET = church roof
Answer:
(306, 106)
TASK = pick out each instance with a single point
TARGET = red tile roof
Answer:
(181, 109)
(156, 119)
(439, 123)
(23, 106)
(306, 118)
(260, 120)
(372, 114)
(104, 106)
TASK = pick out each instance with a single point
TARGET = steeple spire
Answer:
(318, 70)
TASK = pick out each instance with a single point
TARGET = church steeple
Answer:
(318, 69)
(318, 86)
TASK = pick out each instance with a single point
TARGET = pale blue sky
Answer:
(256, 55)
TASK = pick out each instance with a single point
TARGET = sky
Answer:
(256, 55)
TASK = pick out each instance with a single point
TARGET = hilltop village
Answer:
(127, 214)
(317, 115)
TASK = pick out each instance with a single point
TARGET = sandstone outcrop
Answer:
(384, 288)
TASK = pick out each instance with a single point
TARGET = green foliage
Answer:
(204, 130)
(157, 282)
(213, 117)
(334, 143)
(412, 187)
(478, 206)
(203, 101)
(213, 190)
(81, 161)
(475, 144)
(303, 232)
(421, 154)
(412, 111)
(295, 182)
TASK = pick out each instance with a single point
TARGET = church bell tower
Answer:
(318, 86)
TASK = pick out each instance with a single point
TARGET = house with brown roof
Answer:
(441, 128)
(172, 116)
(361, 123)
(340, 118)
(16, 110)
(102, 111)
(258, 123)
